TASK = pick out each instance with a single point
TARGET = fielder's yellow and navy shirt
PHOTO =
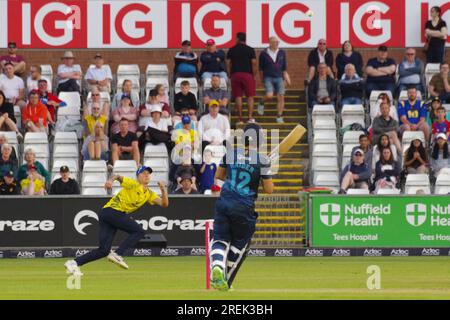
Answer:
(131, 197)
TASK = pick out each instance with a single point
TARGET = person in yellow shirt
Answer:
(116, 215)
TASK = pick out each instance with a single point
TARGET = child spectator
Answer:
(416, 159)
(34, 183)
(442, 125)
(439, 156)
(185, 100)
(207, 172)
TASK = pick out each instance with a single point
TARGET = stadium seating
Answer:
(416, 182)
(358, 192)
(430, 70)
(18, 116)
(403, 96)
(12, 140)
(353, 114)
(94, 176)
(442, 185)
(125, 168)
(130, 72)
(38, 141)
(193, 85)
(72, 110)
(388, 191)
(409, 136)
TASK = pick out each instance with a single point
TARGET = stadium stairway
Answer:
(281, 220)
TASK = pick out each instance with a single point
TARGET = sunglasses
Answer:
(358, 155)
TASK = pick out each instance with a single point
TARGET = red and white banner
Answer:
(166, 23)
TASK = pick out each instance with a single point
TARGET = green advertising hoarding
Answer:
(380, 221)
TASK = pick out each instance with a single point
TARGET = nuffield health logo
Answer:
(330, 214)
(416, 214)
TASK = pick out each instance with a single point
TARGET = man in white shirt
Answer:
(213, 128)
(12, 86)
(100, 75)
(68, 74)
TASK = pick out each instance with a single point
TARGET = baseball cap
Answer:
(125, 96)
(64, 169)
(214, 103)
(382, 48)
(186, 43)
(186, 119)
(12, 44)
(435, 99)
(358, 150)
(32, 167)
(441, 136)
(142, 169)
(210, 42)
(9, 174)
(156, 108)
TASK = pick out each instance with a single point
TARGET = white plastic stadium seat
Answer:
(353, 114)
(92, 179)
(130, 72)
(125, 167)
(325, 111)
(351, 137)
(415, 189)
(18, 116)
(442, 190)
(430, 70)
(72, 99)
(128, 69)
(36, 138)
(65, 138)
(95, 166)
(388, 191)
(325, 150)
(443, 179)
(152, 82)
(65, 151)
(93, 192)
(358, 191)
(325, 164)
(324, 125)
(159, 150)
(416, 182)
(157, 70)
(326, 179)
(325, 137)
(157, 164)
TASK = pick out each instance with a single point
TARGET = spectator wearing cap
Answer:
(127, 88)
(366, 147)
(385, 124)
(381, 72)
(125, 111)
(125, 144)
(179, 124)
(416, 158)
(92, 118)
(17, 61)
(411, 72)
(154, 130)
(186, 62)
(322, 89)
(387, 170)
(185, 100)
(7, 118)
(212, 61)
(356, 174)
(186, 135)
(351, 86)
(97, 98)
(68, 74)
(207, 172)
(187, 186)
(413, 114)
(96, 145)
(349, 55)
(218, 94)
(8, 185)
(185, 169)
(439, 155)
(7, 161)
(35, 114)
(243, 69)
(12, 86)
(49, 100)
(99, 75)
(321, 54)
(213, 128)
(439, 85)
(441, 125)
(432, 116)
(146, 113)
(273, 73)
(30, 159)
(34, 183)
(64, 185)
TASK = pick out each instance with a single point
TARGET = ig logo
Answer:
(374, 279)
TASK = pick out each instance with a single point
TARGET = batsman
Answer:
(242, 169)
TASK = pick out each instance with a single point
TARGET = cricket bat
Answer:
(291, 139)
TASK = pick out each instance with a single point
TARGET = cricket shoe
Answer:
(218, 279)
(115, 258)
(73, 268)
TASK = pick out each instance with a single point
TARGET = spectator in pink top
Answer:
(127, 111)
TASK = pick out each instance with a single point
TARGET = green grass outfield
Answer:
(260, 278)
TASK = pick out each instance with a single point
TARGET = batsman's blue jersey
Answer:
(244, 174)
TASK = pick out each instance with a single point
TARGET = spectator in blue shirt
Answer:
(413, 114)
(348, 55)
(213, 61)
(272, 68)
(381, 72)
(207, 172)
(185, 62)
(411, 72)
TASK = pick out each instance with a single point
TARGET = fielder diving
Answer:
(242, 171)
(115, 215)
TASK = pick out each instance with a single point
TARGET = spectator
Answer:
(356, 174)
(381, 72)
(432, 115)
(411, 72)
(127, 88)
(185, 100)
(186, 135)
(243, 69)
(4, 140)
(186, 169)
(7, 117)
(125, 144)
(125, 111)
(376, 112)
(436, 34)
(96, 146)
(347, 56)
(64, 185)
(416, 159)
(48, 99)
(439, 85)
(9, 186)
(96, 97)
(185, 62)
(384, 142)
(364, 145)
(439, 156)
(12, 86)
(351, 86)
(162, 95)
(99, 76)
(322, 89)
(213, 62)
(7, 162)
(179, 124)
(187, 186)
(413, 114)
(154, 130)
(216, 93)
(273, 72)
(320, 55)
(35, 114)
(213, 128)
(385, 124)
(68, 74)
(146, 110)
(207, 172)
(387, 171)
(33, 78)
(91, 119)
(33, 184)
(441, 125)
(17, 61)
(30, 159)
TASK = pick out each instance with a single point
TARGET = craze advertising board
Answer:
(407, 221)
(166, 23)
